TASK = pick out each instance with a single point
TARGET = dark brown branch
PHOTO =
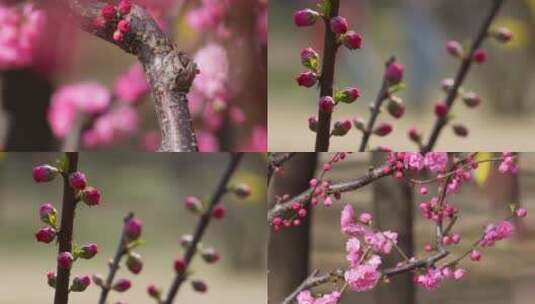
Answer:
(441, 122)
(330, 49)
(66, 229)
(169, 71)
(304, 198)
(114, 265)
(202, 225)
(275, 161)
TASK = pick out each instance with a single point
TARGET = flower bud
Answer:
(306, 17)
(341, 127)
(503, 35)
(51, 279)
(395, 107)
(180, 265)
(414, 135)
(475, 255)
(242, 191)
(447, 84)
(394, 73)
(458, 274)
(124, 26)
(352, 40)
(154, 292)
(383, 129)
(306, 79)
(310, 59)
(45, 235)
(125, 6)
(122, 285)
(521, 212)
(219, 211)
(365, 218)
(359, 124)
(313, 123)
(326, 104)
(193, 204)
(210, 256)
(91, 196)
(88, 251)
(339, 25)
(132, 228)
(199, 286)
(80, 283)
(108, 12)
(460, 130)
(48, 214)
(118, 36)
(98, 280)
(454, 48)
(65, 260)
(347, 95)
(185, 240)
(471, 99)
(441, 109)
(77, 181)
(44, 173)
(480, 56)
(134, 263)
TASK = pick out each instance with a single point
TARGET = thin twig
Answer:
(202, 225)
(66, 228)
(275, 161)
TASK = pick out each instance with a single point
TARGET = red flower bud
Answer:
(503, 35)
(51, 279)
(124, 26)
(352, 40)
(313, 123)
(394, 73)
(199, 286)
(454, 48)
(134, 263)
(383, 129)
(306, 79)
(193, 204)
(414, 135)
(219, 211)
(441, 109)
(480, 56)
(108, 12)
(460, 130)
(80, 283)
(339, 25)
(78, 181)
(395, 107)
(122, 285)
(45, 235)
(132, 228)
(347, 95)
(326, 104)
(306, 17)
(154, 292)
(118, 36)
(310, 59)
(44, 173)
(125, 6)
(48, 213)
(91, 196)
(88, 251)
(65, 260)
(180, 265)
(342, 127)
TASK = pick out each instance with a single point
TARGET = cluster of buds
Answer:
(115, 17)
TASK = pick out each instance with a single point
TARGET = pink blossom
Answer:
(213, 63)
(431, 279)
(413, 161)
(436, 161)
(362, 277)
(508, 165)
(257, 141)
(381, 242)
(305, 297)
(132, 85)
(348, 224)
(207, 142)
(354, 251)
(329, 298)
(498, 232)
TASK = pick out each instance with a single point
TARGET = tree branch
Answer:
(202, 225)
(330, 49)
(169, 71)
(114, 265)
(276, 160)
(441, 122)
(66, 229)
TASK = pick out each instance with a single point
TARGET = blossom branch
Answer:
(327, 79)
(466, 64)
(66, 229)
(169, 71)
(276, 160)
(204, 221)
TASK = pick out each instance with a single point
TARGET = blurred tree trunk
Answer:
(26, 96)
(289, 249)
(393, 209)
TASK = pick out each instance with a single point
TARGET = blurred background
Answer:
(415, 31)
(504, 275)
(228, 41)
(153, 186)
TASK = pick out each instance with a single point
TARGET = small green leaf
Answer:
(324, 7)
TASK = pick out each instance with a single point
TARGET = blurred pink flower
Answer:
(257, 141)
(207, 142)
(213, 64)
(132, 85)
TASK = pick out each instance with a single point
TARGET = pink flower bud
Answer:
(99, 22)
(134, 263)
(359, 124)
(44, 173)
(118, 36)
(306, 17)
(347, 95)
(132, 228)
(428, 248)
(242, 191)
(80, 283)
(219, 211)
(47, 212)
(45, 235)
(91, 196)
(365, 218)
(51, 279)
(471, 99)
(98, 280)
(326, 104)
(460, 130)
(313, 123)
(125, 6)
(122, 285)
(480, 56)
(395, 107)
(339, 25)
(341, 127)
(459, 273)
(210, 256)
(447, 84)
(414, 135)
(423, 191)
(194, 204)
(185, 240)
(108, 12)
(310, 58)
(394, 73)
(383, 129)
(441, 109)
(180, 265)
(521, 212)
(154, 292)
(454, 48)
(199, 286)
(352, 40)
(65, 260)
(78, 181)
(306, 79)
(455, 238)
(475, 255)
(446, 240)
(88, 251)
(124, 26)
(503, 35)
